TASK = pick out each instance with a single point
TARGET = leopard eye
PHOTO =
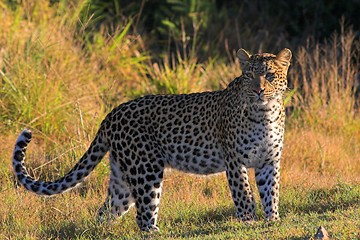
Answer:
(249, 74)
(269, 76)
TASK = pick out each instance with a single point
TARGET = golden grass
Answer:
(312, 157)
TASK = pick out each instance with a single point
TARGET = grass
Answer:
(61, 83)
(183, 213)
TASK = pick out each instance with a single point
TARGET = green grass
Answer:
(197, 208)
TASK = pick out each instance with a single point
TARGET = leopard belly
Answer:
(204, 159)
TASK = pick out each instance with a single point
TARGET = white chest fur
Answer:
(260, 139)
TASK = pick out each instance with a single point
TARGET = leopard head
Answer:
(264, 75)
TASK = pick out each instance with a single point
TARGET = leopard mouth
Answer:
(263, 100)
(259, 99)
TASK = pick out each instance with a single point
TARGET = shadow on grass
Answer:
(220, 221)
(203, 223)
(85, 230)
(295, 202)
(65, 231)
(322, 200)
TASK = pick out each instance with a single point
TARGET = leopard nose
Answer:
(259, 90)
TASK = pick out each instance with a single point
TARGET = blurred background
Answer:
(217, 27)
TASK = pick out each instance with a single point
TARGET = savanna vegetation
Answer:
(64, 64)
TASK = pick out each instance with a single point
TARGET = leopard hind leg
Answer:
(119, 199)
(147, 191)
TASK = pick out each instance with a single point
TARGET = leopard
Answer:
(232, 130)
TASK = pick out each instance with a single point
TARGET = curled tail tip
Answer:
(24, 138)
(26, 133)
(21, 144)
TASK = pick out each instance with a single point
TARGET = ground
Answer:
(192, 207)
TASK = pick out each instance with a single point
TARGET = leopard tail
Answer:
(74, 177)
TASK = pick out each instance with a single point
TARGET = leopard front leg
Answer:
(268, 182)
(241, 192)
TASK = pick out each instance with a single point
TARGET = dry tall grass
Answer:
(323, 135)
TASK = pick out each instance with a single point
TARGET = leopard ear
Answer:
(284, 57)
(243, 57)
